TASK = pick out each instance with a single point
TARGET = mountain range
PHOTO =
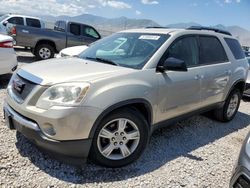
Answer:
(107, 26)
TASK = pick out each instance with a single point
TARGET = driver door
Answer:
(179, 92)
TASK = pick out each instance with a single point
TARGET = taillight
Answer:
(6, 44)
(13, 31)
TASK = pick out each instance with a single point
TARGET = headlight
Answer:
(67, 94)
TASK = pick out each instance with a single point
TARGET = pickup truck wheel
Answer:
(230, 108)
(44, 51)
(120, 138)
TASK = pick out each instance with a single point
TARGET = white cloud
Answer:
(58, 7)
(150, 2)
(119, 4)
(231, 1)
(137, 12)
(114, 4)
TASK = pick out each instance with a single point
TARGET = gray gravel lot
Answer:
(198, 152)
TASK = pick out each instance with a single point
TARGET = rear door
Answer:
(179, 92)
(74, 35)
(214, 70)
(31, 22)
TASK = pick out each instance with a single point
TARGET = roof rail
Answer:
(156, 27)
(209, 29)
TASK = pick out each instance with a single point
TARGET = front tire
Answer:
(120, 139)
(228, 111)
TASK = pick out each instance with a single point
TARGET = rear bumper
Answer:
(8, 61)
(76, 150)
(9, 69)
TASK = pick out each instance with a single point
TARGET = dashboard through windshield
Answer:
(131, 50)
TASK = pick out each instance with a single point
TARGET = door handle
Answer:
(199, 77)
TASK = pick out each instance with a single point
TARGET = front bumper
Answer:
(69, 123)
(241, 174)
(241, 178)
(77, 149)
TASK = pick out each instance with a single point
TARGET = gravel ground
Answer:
(198, 152)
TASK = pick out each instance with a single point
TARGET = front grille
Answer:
(242, 182)
(26, 87)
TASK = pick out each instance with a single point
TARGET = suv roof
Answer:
(190, 30)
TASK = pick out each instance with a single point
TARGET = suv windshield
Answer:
(131, 50)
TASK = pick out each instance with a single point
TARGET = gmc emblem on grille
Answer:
(18, 85)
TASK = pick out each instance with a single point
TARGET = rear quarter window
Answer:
(235, 48)
(33, 22)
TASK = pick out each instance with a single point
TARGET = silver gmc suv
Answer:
(105, 104)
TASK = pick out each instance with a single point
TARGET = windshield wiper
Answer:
(103, 60)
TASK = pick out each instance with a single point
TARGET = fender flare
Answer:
(120, 105)
(234, 84)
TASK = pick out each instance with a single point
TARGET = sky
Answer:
(164, 12)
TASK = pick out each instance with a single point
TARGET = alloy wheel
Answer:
(118, 139)
(232, 106)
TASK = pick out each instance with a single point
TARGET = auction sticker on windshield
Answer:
(149, 37)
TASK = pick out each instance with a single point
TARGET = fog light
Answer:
(48, 129)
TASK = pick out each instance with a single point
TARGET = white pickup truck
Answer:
(16, 19)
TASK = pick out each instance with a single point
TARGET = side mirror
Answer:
(5, 23)
(173, 64)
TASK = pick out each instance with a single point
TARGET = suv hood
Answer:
(61, 70)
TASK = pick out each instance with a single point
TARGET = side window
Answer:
(185, 49)
(211, 51)
(62, 26)
(235, 47)
(75, 29)
(90, 32)
(16, 20)
(56, 25)
(33, 22)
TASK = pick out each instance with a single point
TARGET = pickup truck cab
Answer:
(16, 19)
(44, 43)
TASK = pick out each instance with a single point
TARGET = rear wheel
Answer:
(44, 51)
(120, 138)
(230, 108)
